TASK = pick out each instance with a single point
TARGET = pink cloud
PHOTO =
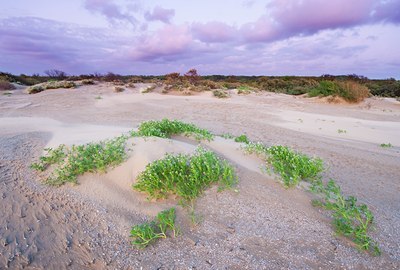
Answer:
(160, 14)
(167, 42)
(213, 32)
(109, 9)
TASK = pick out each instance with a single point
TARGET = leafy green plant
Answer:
(386, 145)
(227, 136)
(293, 166)
(166, 128)
(148, 232)
(91, 157)
(349, 218)
(184, 175)
(242, 138)
(290, 165)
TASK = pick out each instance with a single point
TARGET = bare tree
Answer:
(56, 74)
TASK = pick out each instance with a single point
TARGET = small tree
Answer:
(192, 76)
(56, 74)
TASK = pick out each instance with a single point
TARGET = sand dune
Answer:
(260, 225)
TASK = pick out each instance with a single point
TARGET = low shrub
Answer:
(4, 85)
(146, 233)
(50, 85)
(349, 90)
(166, 128)
(349, 218)
(185, 175)
(88, 82)
(220, 93)
(71, 162)
(118, 89)
(242, 138)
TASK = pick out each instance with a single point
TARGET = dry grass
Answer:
(4, 85)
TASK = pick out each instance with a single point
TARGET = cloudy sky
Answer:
(248, 37)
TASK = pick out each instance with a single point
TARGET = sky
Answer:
(242, 37)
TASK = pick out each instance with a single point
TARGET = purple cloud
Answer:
(110, 10)
(160, 14)
(213, 32)
(167, 42)
(287, 18)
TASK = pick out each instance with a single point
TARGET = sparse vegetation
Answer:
(4, 85)
(220, 93)
(148, 232)
(69, 163)
(242, 138)
(349, 90)
(88, 82)
(185, 175)
(118, 89)
(341, 131)
(166, 128)
(50, 85)
(349, 218)
(386, 145)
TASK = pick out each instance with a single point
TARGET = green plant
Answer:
(91, 157)
(242, 138)
(349, 218)
(220, 93)
(386, 145)
(184, 175)
(166, 128)
(148, 232)
(293, 166)
(98, 97)
(340, 131)
(244, 90)
(227, 136)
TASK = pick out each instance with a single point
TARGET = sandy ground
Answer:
(262, 226)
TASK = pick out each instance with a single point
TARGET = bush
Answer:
(91, 157)
(88, 82)
(118, 89)
(50, 85)
(148, 232)
(242, 138)
(4, 85)
(184, 175)
(166, 128)
(220, 94)
(349, 90)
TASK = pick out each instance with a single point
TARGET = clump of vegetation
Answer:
(220, 93)
(69, 163)
(118, 89)
(349, 218)
(244, 90)
(292, 166)
(4, 85)
(386, 145)
(148, 89)
(88, 82)
(340, 131)
(146, 233)
(50, 85)
(166, 128)
(242, 138)
(185, 175)
(349, 90)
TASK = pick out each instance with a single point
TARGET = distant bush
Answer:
(50, 85)
(4, 85)
(88, 82)
(220, 94)
(118, 89)
(384, 88)
(349, 90)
